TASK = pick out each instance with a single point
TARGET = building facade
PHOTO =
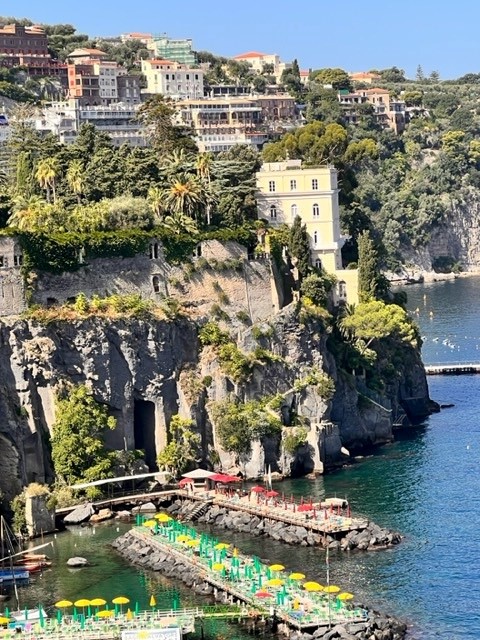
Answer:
(389, 113)
(180, 50)
(221, 123)
(258, 61)
(286, 190)
(172, 79)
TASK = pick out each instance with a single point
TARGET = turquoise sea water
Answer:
(426, 485)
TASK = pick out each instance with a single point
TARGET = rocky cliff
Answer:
(145, 371)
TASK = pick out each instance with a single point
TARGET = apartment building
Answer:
(286, 190)
(96, 81)
(180, 50)
(28, 47)
(172, 79)
(388, 111)
(258, 60)
(221, 123)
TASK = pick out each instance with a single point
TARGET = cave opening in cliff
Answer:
(144, 431)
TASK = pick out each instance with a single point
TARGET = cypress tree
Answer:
(371, 283)
(299, 247)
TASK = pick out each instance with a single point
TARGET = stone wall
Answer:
(12, 291)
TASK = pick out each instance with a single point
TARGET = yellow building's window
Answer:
(316, 210)
(271, 186)
(314, 184)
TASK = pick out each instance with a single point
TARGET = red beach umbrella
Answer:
(257, 489)
(305, 507)
(185, 481)
(263, 594)
(271, 494)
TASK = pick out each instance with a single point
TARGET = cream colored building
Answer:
(286, 190)
(173, 79)
(257, 61)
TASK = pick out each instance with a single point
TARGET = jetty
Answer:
(452, 368)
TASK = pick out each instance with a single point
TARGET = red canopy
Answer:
(257, 489)
(304, 507)
(271, 494)
(185, 481)
(223, 477)
(263, 594)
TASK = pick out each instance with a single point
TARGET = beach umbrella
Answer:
(263, 594)
(162, 517)
(183, 537)
(331, 588)
(82, 603)
(271, 494)
(257, 489)
(296, 576)
(121, 600)
(275, 582)
(312, 586)
(104, 613)
(218, 566)
(98, 602)
(345, 596)
(63, 604)
(276, 567)
(150, 523)
(153, 602)
(222, 545)
(184, 481)
(4, 620)
(193, 543)
(129, 615)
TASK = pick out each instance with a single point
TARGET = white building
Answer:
(172, 79)
(258, 61)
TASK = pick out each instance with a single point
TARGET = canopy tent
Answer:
(224, 477)
(198, 474)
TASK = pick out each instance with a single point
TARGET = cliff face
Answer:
(146, 371)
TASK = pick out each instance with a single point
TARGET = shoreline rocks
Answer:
(371, 537)
(138, 551)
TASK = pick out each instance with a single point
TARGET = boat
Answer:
(32, 557)
(32, 567)
(10, 575)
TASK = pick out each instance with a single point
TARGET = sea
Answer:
(426, 485)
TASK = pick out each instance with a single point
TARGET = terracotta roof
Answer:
(364, 74)
(251, 54)
(160, 61)
(86, 52)
(304, 72)
(138, 35)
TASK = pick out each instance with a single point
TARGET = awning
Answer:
(198, 474)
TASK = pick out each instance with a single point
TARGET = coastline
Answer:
(410, 277)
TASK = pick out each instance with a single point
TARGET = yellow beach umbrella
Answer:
(83, 602)
(222, 545)
(276, 567)
(275, 582)
(218, 566)
(150, 523)
(120, 600)
(129, 615)
(331, 589)
(183, 538)
(98, 602)
(345, 596)
(63, 604)
(105, 613)
(162, 517)
(313, 586)
(4, 620)
(296, 576)
(193, 543)
(153, 602)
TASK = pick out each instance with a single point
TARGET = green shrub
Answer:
(218, 313)
(234, 363)
(211, 334)
(207, 381)
(17, 505)
(294, 438)
(262, 331)
(323, 384)
(244, 317)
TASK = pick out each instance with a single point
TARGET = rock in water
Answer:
(103, 514)
(77, 562)
(146, 507)
(80, 514)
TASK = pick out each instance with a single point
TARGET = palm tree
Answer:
(28, 214)
(181, 223)
(203, 166)
(184, 195)
(76, 178)
(155, 199)
(47, 171)
(177, 162)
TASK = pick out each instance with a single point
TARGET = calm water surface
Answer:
(426, 485)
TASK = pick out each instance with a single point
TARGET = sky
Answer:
(356, 35)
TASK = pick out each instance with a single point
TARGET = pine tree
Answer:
(420, 76)
(299, 247)
(372, 285)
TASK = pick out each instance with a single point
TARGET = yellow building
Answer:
(286, 190)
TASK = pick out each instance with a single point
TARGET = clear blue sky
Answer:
(356, 35)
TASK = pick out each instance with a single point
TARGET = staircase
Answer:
(199, 510)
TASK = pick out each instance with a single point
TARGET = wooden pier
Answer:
(452, 368)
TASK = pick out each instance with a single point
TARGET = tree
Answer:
(419, 75)
(78, 450)
(203, 166)
(392, 74)
(434, 77)
(46, 173)
(183, 447)
(337, 78)
(27, 214)
(290, 79)
(299, 247)
(76, 178)
(316, 288)
(184, 195)
(371, 283)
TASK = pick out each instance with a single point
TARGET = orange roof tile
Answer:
(251, 54)
(86, 52)
(159, 61)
